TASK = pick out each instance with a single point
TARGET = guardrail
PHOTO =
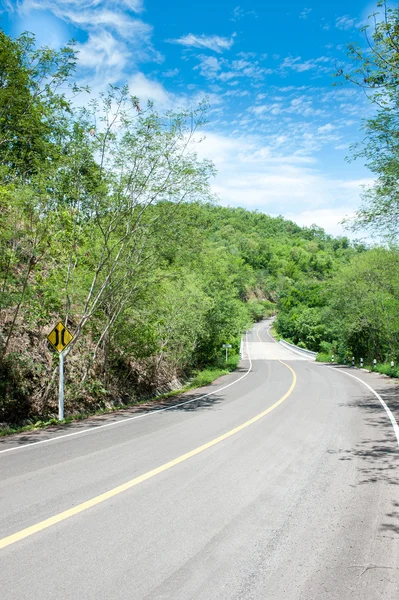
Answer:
(311, 355)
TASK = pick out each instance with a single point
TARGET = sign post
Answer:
(61, 389)
(227, 346)
(59, 338)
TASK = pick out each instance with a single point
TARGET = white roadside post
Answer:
(60, 338)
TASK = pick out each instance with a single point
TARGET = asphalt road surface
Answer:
(282, 484)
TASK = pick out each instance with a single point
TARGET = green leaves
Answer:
(107, 221)
(32, 111)
(365, 304)
(376, 70)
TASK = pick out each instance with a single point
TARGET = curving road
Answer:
(279, 481)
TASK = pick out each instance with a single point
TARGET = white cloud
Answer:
(301, 105)
(237, 93)
(209, 66)
(171, 73)
(239, 13)
(227, 76)
(126, 26)
(345, 22)
(135, 5)
(256, 176)
(324, 24)
(274, 109)
(103, 51)
(294, 63)
(117, 41)
(247, 55)
(212, 67)
(326, 128)
(338, 94)
(93, 13)
(211, 42)
(72, 5)
(249, 69)
(328, 218)
(305, 13)
(148, 89)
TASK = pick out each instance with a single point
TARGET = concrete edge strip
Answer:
(376, 394)
(147, 414)
(301, 354)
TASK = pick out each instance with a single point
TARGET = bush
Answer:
(386, 369)
(14, 399)
(260, 309)
(222, 367)
(323, 357)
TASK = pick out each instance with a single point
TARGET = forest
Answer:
(108, 224)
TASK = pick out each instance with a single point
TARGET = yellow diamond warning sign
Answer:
(60, 337)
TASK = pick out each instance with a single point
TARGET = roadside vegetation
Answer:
(356, 312)
(107, 223)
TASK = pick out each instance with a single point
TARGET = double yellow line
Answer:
(62, 516)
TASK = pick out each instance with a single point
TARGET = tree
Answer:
(363, 305)
(376, 70)
(32, 109)
(34, 120)
(144, 158)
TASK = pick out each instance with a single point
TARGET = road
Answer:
(282, 484)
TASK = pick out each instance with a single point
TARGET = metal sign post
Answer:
(227, 346)
(59, 338)
(61, 389)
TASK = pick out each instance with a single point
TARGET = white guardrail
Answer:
(302, 351)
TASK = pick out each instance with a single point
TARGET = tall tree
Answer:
(375, 69)
(32, 108)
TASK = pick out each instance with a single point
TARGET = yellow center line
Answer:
(66, 514)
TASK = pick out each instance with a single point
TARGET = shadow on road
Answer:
(378, 456)
(187, 402)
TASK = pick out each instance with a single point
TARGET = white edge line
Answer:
(387, 409)
(376, 394)
(147, 414)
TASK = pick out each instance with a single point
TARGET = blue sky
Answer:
(278, 130)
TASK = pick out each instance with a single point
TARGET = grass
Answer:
(206, 376)
(323, 357)
(383, 368)
(201, 378)
(274, 333)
